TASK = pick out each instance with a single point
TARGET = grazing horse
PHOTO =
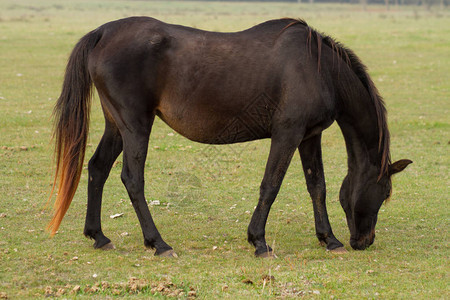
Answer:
(280, 80)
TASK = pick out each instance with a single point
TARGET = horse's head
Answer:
(361, 197)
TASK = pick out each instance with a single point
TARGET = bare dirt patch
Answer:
(132, 287)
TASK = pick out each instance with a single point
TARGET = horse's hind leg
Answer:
(135, 140)
(311, 156)
(281, 152)
(99, 166)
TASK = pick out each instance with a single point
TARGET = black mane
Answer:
(353, 61)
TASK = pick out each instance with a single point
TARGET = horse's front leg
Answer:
(311, 156)
(281, 151)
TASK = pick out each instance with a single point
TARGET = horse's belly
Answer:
(215, 124)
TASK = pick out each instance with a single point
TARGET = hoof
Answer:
(268, 254)
(168, 253)
(339, 250)
(109, 246)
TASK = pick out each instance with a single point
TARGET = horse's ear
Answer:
(398, 166)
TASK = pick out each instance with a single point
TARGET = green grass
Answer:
(205, 203)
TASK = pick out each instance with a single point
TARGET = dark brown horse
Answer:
(280, 80)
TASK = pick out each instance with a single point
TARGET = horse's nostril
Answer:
(372, 239)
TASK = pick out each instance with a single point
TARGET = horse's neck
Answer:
(359, 127)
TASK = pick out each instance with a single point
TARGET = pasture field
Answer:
(207, 194)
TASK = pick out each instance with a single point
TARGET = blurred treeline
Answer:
(387, 3)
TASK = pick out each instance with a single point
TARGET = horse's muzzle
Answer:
(363, 242)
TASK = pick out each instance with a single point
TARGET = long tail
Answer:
(71, 127)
